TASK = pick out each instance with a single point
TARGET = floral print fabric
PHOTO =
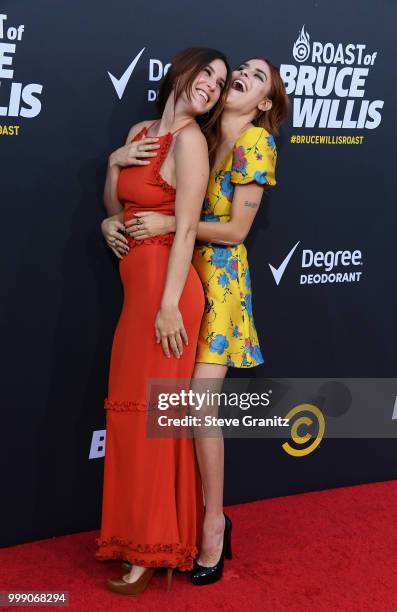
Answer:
(228, 335)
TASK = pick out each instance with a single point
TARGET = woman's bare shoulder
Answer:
(191, 135)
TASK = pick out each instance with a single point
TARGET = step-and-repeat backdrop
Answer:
(74, 77)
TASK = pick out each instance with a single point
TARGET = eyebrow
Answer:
(257, 69)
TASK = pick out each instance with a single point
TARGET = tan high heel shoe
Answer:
(120, 586)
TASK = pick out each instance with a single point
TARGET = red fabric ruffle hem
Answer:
(157, 555)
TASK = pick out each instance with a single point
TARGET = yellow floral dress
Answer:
(228, 335)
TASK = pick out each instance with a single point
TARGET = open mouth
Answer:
(203, 95)
(238, 85)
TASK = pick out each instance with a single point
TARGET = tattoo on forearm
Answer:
(251, 204)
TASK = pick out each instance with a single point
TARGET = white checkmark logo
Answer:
(278, 272)
(121, 83)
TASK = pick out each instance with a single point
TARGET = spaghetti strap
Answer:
(172, 133)
(182, 126)
(150, 126)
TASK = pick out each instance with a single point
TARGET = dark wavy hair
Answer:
(185, 67)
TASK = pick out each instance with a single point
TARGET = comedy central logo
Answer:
(301, 48)
(302, 418)
(327, 267)
(157, 69)
(329, 84)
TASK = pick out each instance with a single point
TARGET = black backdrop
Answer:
(61, 294)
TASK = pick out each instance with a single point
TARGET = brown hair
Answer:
(277, 114)
(184, 68)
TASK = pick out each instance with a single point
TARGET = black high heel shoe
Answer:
(207, 575)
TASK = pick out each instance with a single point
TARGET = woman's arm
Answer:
(110, 199)
(126, 155)
(245, 204)
(192, 173)
(246, 200)
(111, 228)
(111, 202)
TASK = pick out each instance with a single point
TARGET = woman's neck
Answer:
(233, 125)
(173, 117)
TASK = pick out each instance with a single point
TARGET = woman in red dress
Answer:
(152, 508)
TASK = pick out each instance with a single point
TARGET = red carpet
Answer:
(329, 550)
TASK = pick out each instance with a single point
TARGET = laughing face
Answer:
(207, 87)
(250, 87)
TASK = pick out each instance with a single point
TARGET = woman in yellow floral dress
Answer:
(228, 335)
(242, 168)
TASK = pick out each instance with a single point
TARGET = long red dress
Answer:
(152, 507)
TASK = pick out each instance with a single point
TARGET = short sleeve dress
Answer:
(227, 334)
